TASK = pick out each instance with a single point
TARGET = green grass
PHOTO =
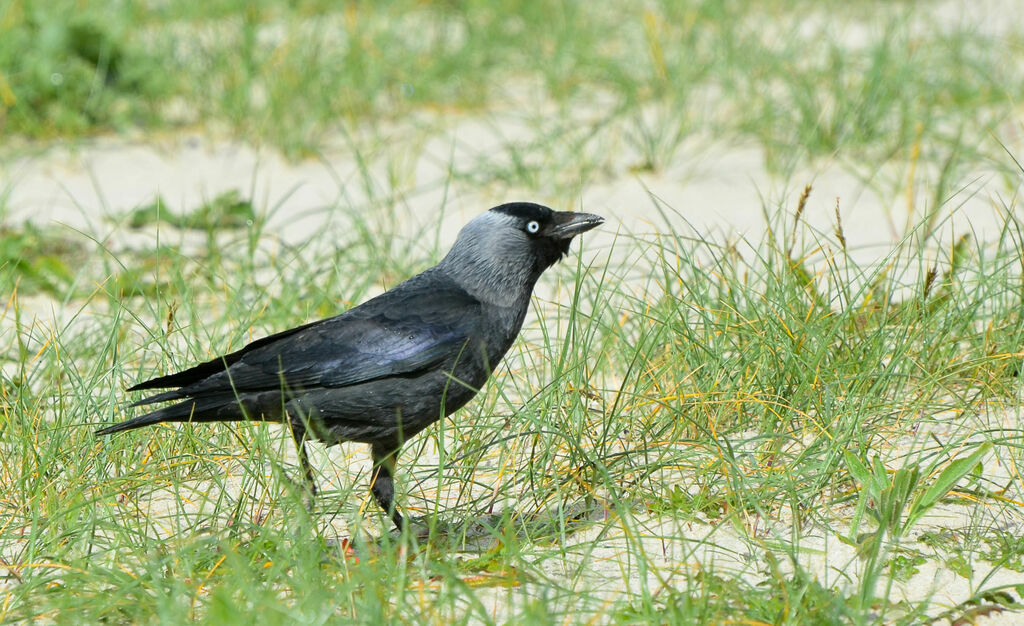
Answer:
(807, 85)
(694, 429)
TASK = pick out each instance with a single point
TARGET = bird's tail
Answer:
(216, 409)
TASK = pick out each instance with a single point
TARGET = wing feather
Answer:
(411, 329)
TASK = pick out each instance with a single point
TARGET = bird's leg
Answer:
(382, 485)
(299, 435)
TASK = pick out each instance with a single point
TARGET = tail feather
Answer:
(215, 409)
(160, 397)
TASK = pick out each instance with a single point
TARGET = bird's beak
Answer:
(567, 224)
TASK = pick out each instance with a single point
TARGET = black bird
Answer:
(384, 370)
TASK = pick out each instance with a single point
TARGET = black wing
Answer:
(209, 368)
(410, 329)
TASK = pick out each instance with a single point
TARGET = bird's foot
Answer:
(415, 530)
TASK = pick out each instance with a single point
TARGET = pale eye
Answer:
(533, 227)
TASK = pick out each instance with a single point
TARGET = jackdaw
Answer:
(384, 370)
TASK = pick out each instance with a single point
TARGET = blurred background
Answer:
(716, 107)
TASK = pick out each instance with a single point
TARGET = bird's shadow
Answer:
(479, 534)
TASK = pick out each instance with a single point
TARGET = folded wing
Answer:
(394, 336)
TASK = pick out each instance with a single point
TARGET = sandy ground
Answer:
(711, 188)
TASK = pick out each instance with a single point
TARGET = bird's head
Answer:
(501, 253)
